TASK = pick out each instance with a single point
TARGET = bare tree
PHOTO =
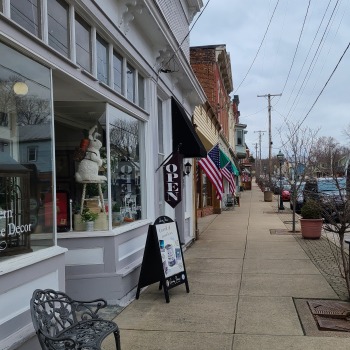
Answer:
(124, 137)
(298, 148)
(334, 204)
(347, 131)
(33, 110)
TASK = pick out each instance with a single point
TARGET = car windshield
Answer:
(331, 184)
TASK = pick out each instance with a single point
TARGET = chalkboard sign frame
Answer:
(163, 259)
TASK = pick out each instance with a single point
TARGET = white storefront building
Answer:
(120, 70)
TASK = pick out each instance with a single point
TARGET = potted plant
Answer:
(311, 221)
(89, 218)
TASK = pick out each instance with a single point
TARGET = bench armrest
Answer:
(90, 308)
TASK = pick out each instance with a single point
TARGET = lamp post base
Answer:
(281, 206)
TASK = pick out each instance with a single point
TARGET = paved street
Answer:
(249, 280)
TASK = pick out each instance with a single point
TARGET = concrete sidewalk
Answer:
(247, 291)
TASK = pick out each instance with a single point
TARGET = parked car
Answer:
(299, 199)
(277, 184)
(329, 192)
(286, 193)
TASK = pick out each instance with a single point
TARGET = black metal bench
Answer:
(62, 323)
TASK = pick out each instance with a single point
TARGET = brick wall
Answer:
(205, 66)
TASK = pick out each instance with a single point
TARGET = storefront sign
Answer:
(173, 180)
(163, 258)
(10, 236)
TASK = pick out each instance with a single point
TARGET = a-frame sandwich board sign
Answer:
(163, 259)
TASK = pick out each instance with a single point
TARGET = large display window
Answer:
(25, 154)
(127, 167)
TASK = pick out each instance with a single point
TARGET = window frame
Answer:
(31, 149)
(84, 24)
(118, 56)
(68, 28)
(101, 41)
(130, 89)
(37, 25)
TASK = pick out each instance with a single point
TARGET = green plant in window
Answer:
(88, 215)
(115, 207)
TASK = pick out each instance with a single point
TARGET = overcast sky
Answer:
(241, 25)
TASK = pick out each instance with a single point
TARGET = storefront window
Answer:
(58, 25)
(26, 205)
(83, 43)
(26, 13)
(127, 167)
(118, 72)
(102, 60)
(206, 191)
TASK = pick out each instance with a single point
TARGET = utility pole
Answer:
(261, 132)
(256, 158)
(270, 136)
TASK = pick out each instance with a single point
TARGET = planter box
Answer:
(311, 228)
(268, 196)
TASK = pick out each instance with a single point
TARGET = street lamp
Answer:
(280, 157)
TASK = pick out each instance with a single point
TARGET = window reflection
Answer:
(130, 76)
(57, 13)
(117, 71)
(26, 14)
(126, 168)
(83, 43)
(102, 60)
(25, 153)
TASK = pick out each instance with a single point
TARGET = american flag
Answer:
(227, 173)
(211, 167)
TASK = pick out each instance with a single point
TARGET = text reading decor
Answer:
(163, 260)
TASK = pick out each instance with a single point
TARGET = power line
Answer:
(296, 49)
(307, 76)
(256, 55)
(307, 114)
(319, 95)
(310, 48)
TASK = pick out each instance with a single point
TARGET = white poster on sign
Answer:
(170, 249)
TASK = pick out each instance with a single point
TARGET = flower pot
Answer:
(90, 225)
(311, 228)
(268, 196)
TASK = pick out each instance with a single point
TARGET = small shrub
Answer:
(311, 210)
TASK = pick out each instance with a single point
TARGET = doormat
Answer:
(283, 232)
(313, 311)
